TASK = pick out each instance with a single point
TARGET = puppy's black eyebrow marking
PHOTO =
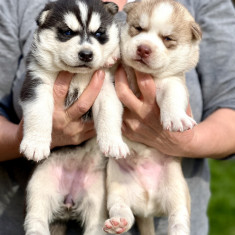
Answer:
(89, 17)
(78, 16)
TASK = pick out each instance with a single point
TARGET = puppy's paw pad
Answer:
(35, 150)
(116, 225)
(114, 148)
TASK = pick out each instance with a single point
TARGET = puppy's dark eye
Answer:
(138, 28)
(167, 38)
(100, 32)
(169, 41)
(68, 32)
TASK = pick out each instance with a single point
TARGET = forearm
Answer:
(214, 137)
(9, 140)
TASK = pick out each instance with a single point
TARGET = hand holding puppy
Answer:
(141, 120)
(68, 128)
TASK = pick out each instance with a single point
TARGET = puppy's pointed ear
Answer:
(196, 31)
(111, 7)
(44, 14)
(129, 6)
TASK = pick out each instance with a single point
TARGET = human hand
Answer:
(68, 127)
(141, 119)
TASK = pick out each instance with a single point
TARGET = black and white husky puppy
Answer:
(80, 37)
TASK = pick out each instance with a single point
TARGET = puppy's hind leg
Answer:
(42, 201)
(178, 205)
(94, 208)
(145, 225)
(37, 218)
(121, 217)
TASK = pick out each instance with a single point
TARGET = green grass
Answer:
(221, 209)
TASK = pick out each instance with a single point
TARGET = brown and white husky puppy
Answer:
(160, 38)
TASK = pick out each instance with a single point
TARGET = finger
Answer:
(124, 92)
(87, 98)
(61, 87)
(147, 87)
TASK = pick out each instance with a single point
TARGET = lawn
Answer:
(222, 204)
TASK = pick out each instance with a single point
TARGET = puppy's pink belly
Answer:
(147, 172)
(73, 181)
(149, 175)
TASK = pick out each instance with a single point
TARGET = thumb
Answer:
(147, 87)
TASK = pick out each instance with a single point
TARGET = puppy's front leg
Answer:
(37, 105)
(172, 98)
(107, 113)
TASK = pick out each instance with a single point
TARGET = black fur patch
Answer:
(87, 116)
(71, 98)
(28, 88)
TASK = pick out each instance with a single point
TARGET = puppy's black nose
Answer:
(86, 56)
(144, 51)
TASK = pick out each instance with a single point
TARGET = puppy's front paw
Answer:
(116, 225)
(179, 121)
(113, 58)
(113, 147)
(35, 150)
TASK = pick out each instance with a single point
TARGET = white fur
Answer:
(71, 21)
(95, 22)
(144, 21)
(83, 11)
(43, 16)
(161, 15)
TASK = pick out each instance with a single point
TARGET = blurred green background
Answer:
(221, 209)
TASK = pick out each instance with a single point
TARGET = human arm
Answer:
(10, 137)
(213, 138)
(68, 128)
